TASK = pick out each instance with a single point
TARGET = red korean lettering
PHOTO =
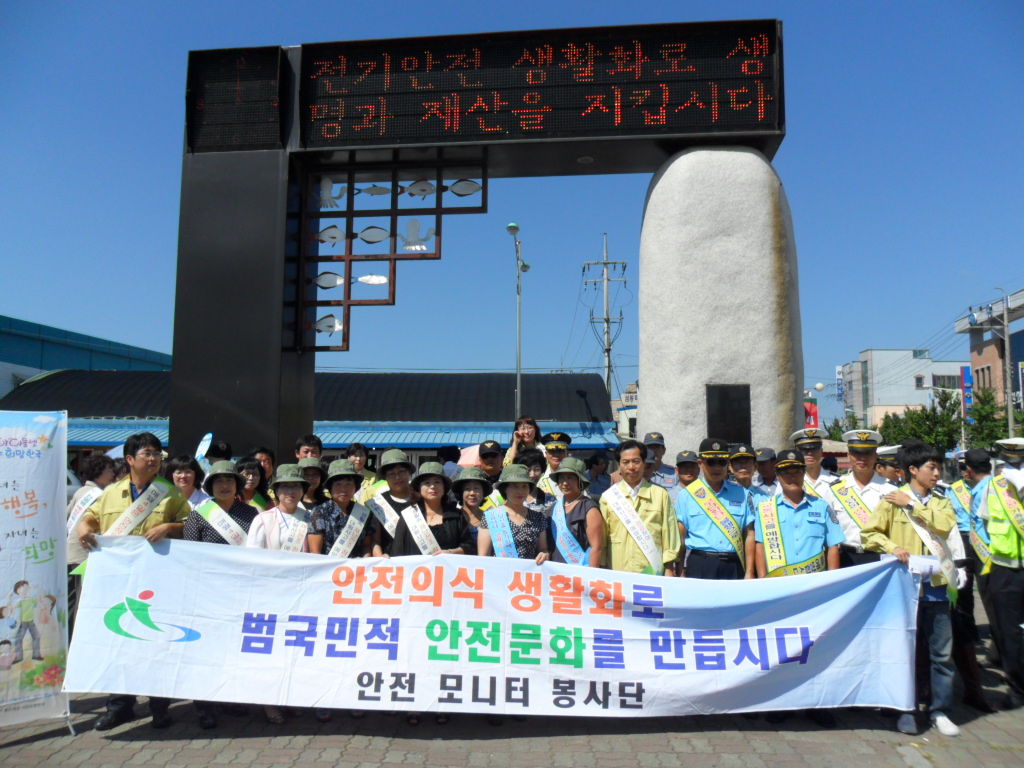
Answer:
(675, 55)
(628, 60)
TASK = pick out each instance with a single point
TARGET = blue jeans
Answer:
(935, 638)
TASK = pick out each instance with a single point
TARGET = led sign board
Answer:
(654, 81)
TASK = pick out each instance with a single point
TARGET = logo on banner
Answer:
(136, 614)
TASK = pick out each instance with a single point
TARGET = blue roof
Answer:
(337, 434)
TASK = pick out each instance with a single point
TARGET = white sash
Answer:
(79, 509)
(294, 539)
(384, 513)
(222, 523)
(350, 533)
(934, 543)
(420, 531)
(630, 518)
(500, 528)
(141, 508)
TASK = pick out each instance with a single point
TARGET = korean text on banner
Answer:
(457, 633)
(33, 565)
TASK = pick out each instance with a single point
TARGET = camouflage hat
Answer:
(220, 469)
(474, 474)
(288, 473)
(572, 466)
(340, 469)
(430, 469)
(513, 473)
(394, 458)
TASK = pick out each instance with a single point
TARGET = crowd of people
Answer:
(725, 511)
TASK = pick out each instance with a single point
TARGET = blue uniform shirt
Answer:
(978, 494)
(807, 530)
(666, 477)
(701, 532)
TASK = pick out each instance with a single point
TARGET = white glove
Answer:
(961, 578)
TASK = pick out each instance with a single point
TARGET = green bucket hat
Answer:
(288, 473)
(222, 468)
(474, 474)
(572, 466)
(513, 473)
(312, 462)
(394, 458)
(430, 469)
(341, 468)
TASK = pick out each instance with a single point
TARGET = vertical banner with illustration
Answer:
(33, 570)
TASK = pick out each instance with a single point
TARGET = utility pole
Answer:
(606, 319)
(1007, 364)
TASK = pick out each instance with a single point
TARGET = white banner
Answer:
(455, 633)
(33, 565)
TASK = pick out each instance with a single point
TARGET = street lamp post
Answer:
(521, 266)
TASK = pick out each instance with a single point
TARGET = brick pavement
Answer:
(864, 739)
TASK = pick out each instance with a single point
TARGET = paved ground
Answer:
(862, 739)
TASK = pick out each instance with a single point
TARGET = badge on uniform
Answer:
(700, 493)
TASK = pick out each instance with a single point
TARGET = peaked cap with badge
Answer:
(808, 438)
(713, 448)
(764, 454)
(557, 441)
(790, 457)
(741, 450)
(862, 439)
(1012, 447)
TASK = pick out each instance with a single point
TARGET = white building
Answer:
(886, 381)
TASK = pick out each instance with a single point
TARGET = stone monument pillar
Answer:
(720, 340)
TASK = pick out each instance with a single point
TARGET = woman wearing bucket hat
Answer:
(316, 493)
(388, 503)
(329, 523)
(432, 526)
(470, 489)
(223, 486)
(512, 530)
(576, 524)
(184, 471)
(221, 519)
(279, 528)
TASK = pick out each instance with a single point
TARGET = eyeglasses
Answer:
(716, 462)
(558, 451)
(249, 473)
(147, 455)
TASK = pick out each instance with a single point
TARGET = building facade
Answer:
(893, 381)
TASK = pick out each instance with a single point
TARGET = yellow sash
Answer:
(775, 550)
(963, 495)
(809, 489)
(1011, 504)
(852, 502)
(725, 522)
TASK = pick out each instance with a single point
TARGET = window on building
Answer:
(921, 353)
(919, 382)
(983, 377)
(945, 381)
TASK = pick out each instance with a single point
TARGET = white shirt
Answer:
(198, 497)
(1014, 475)
(822, 486)
(258, 537)
(871, 494)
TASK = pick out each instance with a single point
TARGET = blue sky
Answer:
(903, 163)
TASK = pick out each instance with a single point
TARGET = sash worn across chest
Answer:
(420, 531)
(963, 495)
(774, 548)
(384, 513)
(349, 535)
(141, 508)
(564, 540)
(78, 510)
(1011, 504)
(630, 518)
(494, 501)
(852, 503)
(719, 515)
(222, 523)
(500, 528)
(549, 486)
(295, 532)
(935, 544)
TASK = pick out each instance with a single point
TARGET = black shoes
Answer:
(161, 720)
(113, 718)
(207, 720)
